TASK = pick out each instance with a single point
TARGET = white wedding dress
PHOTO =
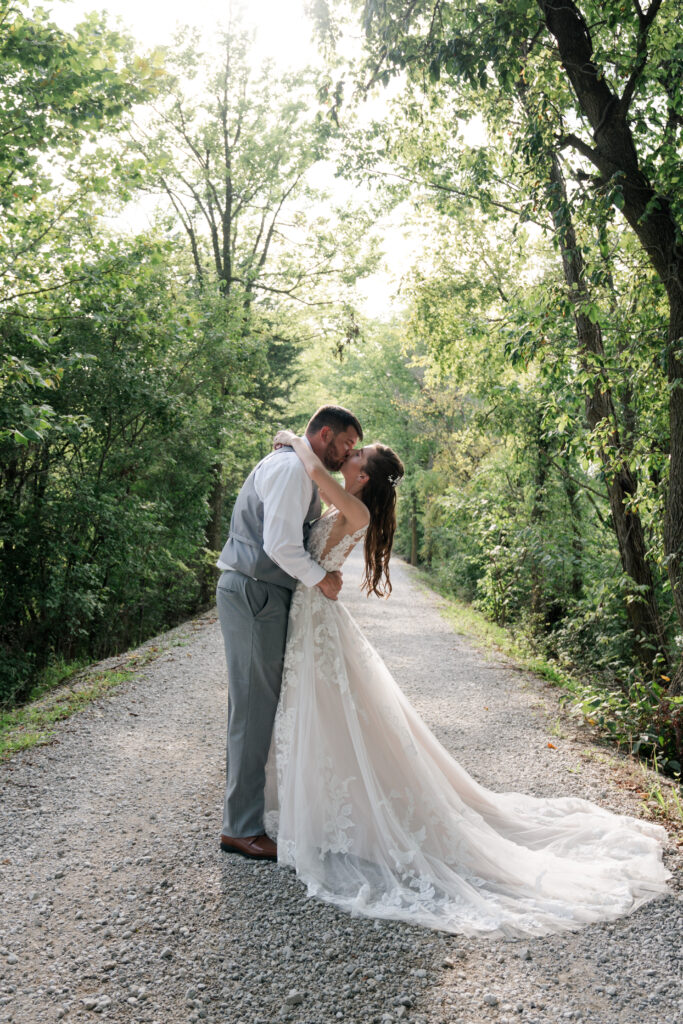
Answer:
(377, 818)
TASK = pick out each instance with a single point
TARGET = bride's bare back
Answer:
(330, 542)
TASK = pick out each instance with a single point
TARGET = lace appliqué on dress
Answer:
(334, 558)
(377, 818)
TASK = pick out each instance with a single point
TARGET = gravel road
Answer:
(117, 903)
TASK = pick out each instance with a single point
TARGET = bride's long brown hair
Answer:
(384, 469)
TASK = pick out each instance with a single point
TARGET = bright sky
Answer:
(283, 30)
(283, 33)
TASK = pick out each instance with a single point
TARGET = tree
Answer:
(647, 190)
(232, 157)
(57, 90)
(612, 96)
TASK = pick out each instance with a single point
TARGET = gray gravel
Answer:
(118, 905)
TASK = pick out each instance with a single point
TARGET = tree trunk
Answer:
(413, 528)
(214, 526)
(649, 214)
(673, 523)
(213, 531)
(538, 597)
(571, 490)
(641, 605)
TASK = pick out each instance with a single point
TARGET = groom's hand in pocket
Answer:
(330, 585)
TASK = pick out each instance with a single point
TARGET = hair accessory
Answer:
(394, 480)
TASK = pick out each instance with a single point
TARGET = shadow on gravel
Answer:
(289, 957)
(283, 956)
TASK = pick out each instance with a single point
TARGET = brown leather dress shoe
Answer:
(256, 847)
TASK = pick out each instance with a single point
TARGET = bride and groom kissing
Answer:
(325, 753)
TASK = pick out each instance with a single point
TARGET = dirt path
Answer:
(117, 903)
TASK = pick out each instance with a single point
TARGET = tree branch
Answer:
(290, 293)
(578, 144)
(483, 201)
(645, 21)
(186, 221)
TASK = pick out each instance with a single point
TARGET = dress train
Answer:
(379, 819)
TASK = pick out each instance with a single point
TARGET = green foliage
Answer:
(104, 508)
(130, 384)
(141, 377)
(537, 311)
(230, 146)
(23, 728)
(638, 718)
(58, 91)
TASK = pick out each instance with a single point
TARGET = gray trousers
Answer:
(253, 617)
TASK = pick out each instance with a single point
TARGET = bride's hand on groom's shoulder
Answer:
(284, 437)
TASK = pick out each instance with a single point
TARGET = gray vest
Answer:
(244, 547)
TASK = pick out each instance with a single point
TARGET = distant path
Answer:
(117, 904)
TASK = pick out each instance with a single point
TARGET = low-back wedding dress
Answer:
(377, 818)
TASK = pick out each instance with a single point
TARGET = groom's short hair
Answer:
(336, 417)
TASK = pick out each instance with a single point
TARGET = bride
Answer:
(375, 816)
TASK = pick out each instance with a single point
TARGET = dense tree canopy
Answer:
(529, 374)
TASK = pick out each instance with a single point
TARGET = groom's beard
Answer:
(331, 460)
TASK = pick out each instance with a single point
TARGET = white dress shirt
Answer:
(285, 488)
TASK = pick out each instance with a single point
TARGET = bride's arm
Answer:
(352, 508)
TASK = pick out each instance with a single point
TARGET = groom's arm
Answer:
(285, 490)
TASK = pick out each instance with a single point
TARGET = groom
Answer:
(262, 560)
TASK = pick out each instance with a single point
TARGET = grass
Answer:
(662, 795)
(467, 620)
(31, 725)
(64, 690)
(56, 674)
